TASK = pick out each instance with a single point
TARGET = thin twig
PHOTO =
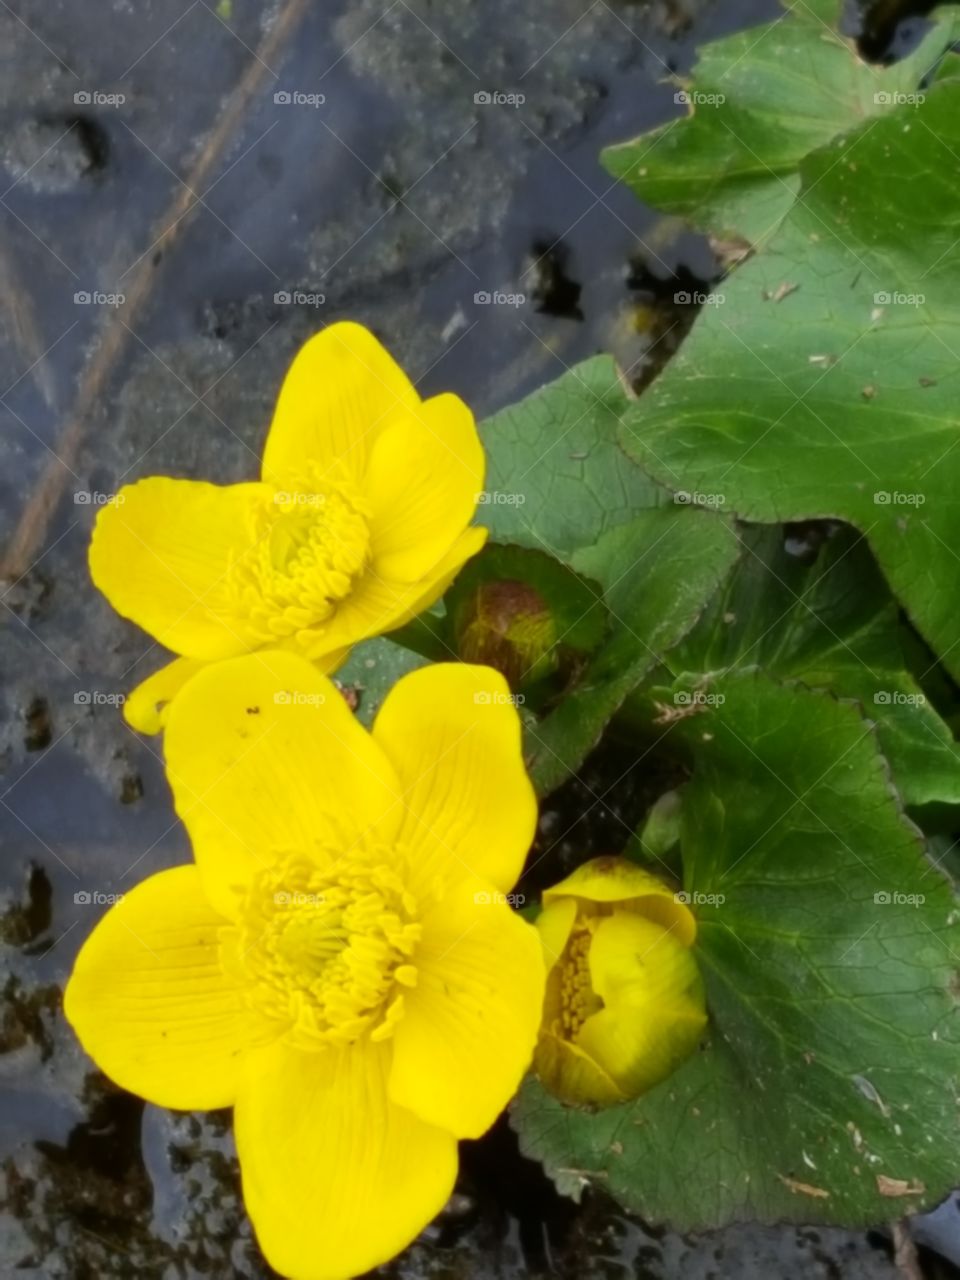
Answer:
(25, 330)
(36, 516)
(905, 1257)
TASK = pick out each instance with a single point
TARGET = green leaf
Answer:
(559, 482)
(657, 573)
(371, 671)
(760, 101)
(832, 401)
(830, 622)
(557, 477)
(827, 1085)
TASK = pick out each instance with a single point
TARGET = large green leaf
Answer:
(559, 482)
(827, 1086)
(840, 398)
(557, 477)
(759, 102)
(828, 620)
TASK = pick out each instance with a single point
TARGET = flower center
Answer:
(328, 950)
(578, 1000)
(309, 545)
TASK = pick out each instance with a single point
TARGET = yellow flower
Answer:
(625, 1002)
(339, 964)
(358, 523)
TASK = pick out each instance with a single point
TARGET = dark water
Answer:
(398, 200)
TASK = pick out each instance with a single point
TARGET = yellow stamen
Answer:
(577, 997)
(325, 945)
(309, 545)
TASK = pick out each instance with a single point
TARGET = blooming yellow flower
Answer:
(625, 1002)
(339, 964)
(360, 521)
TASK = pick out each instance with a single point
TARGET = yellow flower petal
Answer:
(152, 1005)
(620, 881)
(654, 1010)
(423, 481)
(336, 1178)
(342, 390)
(145, 709)
(161, 554)
(572, 1075)
(554, 924)
(453, 736)
(470, 1025)
(266, 760)
(378, 605)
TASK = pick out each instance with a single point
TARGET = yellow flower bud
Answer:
(624, 1003)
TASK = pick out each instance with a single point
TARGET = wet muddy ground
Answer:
(179, 211)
